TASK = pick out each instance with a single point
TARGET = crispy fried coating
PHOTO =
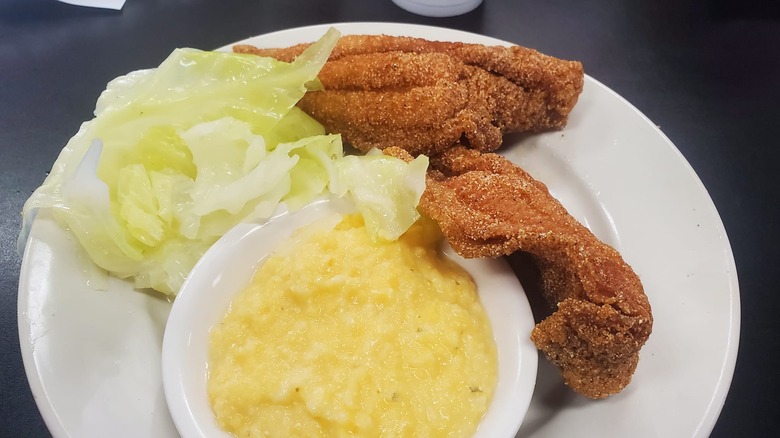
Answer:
(488, 207)
(427, 96)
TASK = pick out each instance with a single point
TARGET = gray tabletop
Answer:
(706, 72)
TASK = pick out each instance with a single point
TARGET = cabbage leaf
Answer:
(186, 151)
(178, 155)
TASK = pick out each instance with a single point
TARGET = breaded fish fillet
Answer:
(426, 96)
(488, 207)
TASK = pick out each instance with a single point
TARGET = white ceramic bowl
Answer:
(227, 268)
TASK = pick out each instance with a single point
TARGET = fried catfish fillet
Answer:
(488, 207)
(426, 96)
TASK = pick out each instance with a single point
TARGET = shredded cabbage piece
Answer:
(385, 190)
(179, 154)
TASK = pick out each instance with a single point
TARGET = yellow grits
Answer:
(343, 336)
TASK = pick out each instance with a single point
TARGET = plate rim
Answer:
(727, 368)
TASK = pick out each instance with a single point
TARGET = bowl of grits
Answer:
(305, 325)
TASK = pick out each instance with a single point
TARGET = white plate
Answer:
(227, 268)
(93, 357)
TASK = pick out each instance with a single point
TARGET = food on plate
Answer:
(342, 335)
(178, 155)
(488, 207)
(426, 96)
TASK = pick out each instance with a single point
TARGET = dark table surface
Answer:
(708, 73)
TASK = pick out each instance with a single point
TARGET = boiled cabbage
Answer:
(186, 151)
(178, 155)
(385, 190)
